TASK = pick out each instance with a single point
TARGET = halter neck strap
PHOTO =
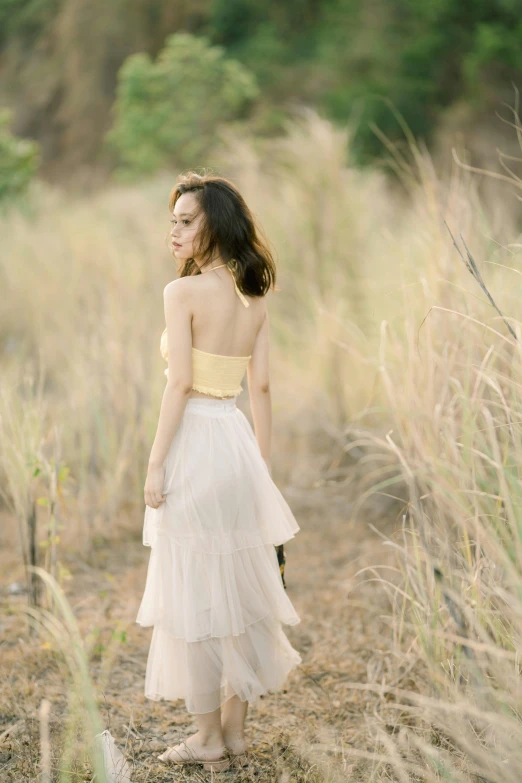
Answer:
(238, 292)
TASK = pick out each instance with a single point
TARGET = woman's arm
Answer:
(178, 318)
(259, 391)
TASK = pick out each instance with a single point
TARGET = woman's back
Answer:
(224, 324)
(221, 322)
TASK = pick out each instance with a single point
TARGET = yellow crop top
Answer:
(212, 373)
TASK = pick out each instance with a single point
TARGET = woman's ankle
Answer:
(235, 739)
(234, 734)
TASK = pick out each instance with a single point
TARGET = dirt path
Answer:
(342, 638)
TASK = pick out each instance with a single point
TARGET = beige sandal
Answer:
(218, 765)
(240, 759)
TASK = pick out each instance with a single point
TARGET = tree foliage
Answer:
(19, 160)
(347, 58)
(25, 18)
(167, 111)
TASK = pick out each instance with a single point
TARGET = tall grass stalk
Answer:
(34, 476)
(452, 379)
(63, 629)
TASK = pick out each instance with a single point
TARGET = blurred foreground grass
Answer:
(387, 359)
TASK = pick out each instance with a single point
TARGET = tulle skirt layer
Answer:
(213, 591)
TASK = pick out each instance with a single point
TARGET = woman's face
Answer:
(185, 221)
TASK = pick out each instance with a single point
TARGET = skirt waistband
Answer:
(211, 406)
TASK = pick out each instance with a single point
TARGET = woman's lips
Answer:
(175, 244)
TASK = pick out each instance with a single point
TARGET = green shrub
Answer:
(167, 111)
(19, 160)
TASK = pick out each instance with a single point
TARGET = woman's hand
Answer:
(154, 486)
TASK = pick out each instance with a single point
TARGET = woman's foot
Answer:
(235, 744)
(233, 714)
(194, 748)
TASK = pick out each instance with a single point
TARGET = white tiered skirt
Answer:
(214, 592)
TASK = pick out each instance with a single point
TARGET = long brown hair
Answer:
(228, 227)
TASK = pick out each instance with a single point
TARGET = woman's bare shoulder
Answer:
(182, 290)
(179, 284)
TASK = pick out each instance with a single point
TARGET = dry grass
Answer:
(397, 397)
(342, 637)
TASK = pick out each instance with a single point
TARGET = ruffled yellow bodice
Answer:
(213, 373)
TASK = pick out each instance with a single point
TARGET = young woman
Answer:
(214, 591)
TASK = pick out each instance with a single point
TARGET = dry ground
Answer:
(295, 735)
